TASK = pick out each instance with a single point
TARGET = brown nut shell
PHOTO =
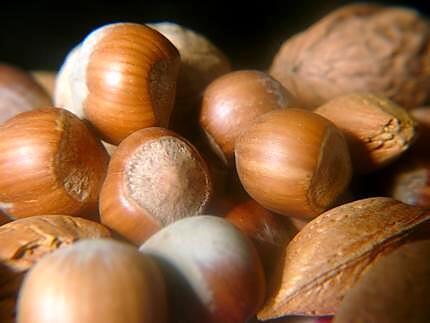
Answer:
(122, 78)
(212, 270)
(94, 281)
(25, 241)
(359, 47)
(327, 257)
(395, 290)
(293, 162)
(46, 79)
(232, 102)
(50, 163)
(155, 177)
(378, 130)
(19, 92)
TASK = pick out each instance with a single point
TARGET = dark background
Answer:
(38, 35)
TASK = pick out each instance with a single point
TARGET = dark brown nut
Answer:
(378, 130)
(330, 254)
(25, 241)
(360, 47)
(268, 231)
(395, 290)
(19, 92)
(408, 180)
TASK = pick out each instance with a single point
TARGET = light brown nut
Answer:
(23, 242)
(330, 254)
(359, 47)
(395, 290)
(378, 130)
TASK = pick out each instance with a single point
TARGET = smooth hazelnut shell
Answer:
(359, 47)
(123, 78)
(50, 163)
(378, 130)
(268, 231)
(212, 270)
(25, 241)
(136, 221)
(19, 92)
(94, 281)
(293, 162)
(232, 102)
(330, 254)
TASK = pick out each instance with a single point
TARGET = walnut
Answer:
(359, 48)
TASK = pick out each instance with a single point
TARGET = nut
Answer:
(378, 131)
(293, 162)
(395, 290)
(19, 92)
(232, 102)
(50, 163)
(121, 78)
(25, 241)
(327, 257)
(211, 267)
(358, 48)
(155, 177)
(92, 272)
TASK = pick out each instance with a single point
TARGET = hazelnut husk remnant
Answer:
(359, 47)
(328, 256)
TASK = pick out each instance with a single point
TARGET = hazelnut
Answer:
(155, 177)
(201, 63)
(121, 78)
(211, 267)
(25, 241)
(50, 163)
(93, 281)
(268, 231)
(358, 48)
(19, 92)
(378, 130)
(293, 162)
(232, 102)
(328, 256)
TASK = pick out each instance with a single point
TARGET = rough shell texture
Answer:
(395, 290)
(378, 130)
(359, 47)
(24, 241)
(331, 253)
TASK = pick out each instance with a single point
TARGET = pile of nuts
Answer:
(148, 182)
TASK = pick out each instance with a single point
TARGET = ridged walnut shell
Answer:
(378, 130)
(332, 252)
(360, 47)
(395, 290)
(25, 241)
(121, 78)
